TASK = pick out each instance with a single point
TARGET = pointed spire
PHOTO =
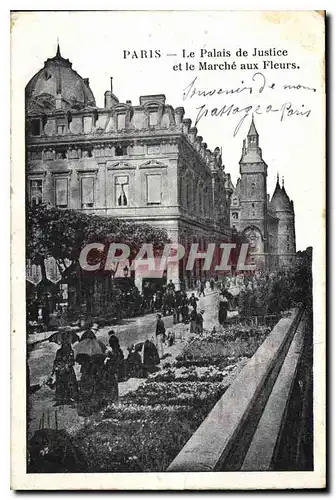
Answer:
(278, 177)
(58, 52)
(283, 182)
(253, 130)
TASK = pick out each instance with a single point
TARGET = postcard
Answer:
(168, 250)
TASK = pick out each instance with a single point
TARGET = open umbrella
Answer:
(59, 337)
(89, 348)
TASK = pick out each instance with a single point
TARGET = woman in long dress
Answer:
(66, 382)
(114, 369)
(91, 386)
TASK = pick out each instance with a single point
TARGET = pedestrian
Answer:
(199, 322)
(202, 289)
(170, 339)
(133, 365)
(160, 333)
(171, 286)
(150, 357)
(212, 284)
(193, 301)
(63, 369)
(193, 318)
(185, 308)
(92, 386)
(115, 356)
(222, 312)
(177, 307)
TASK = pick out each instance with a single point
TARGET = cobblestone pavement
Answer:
(131, 330)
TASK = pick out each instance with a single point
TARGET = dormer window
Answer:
(120, 150)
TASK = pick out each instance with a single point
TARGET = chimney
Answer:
(111, 79)
(108, 99)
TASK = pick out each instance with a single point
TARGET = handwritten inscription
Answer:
(258, 85)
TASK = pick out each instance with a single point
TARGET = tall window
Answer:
(121, 122)
(121, 186)
(61, 192)
(35, 192)
(87, 192)
(153, 189)
(35, 126)
(153, 118)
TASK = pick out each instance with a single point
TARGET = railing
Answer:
(244, 430)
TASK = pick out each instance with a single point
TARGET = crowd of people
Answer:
(102, 367)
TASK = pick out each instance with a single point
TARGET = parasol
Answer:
(59, 337)
(89, 348)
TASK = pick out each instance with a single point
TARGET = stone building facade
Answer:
(144, 163)
(268, 225)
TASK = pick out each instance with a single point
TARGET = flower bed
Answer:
(224, 347)
(147, 428)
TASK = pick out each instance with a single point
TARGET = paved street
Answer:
(129, 331)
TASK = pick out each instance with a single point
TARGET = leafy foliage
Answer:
(59, 233)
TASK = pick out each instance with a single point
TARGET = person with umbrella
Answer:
(90, 354)
(90, 333)
(63, 368)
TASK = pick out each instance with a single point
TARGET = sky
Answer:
(105, 44)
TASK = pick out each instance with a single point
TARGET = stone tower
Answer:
(253, 196)
(284, 210)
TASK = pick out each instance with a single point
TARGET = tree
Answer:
(61, 234)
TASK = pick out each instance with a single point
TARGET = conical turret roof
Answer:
(280, 200)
